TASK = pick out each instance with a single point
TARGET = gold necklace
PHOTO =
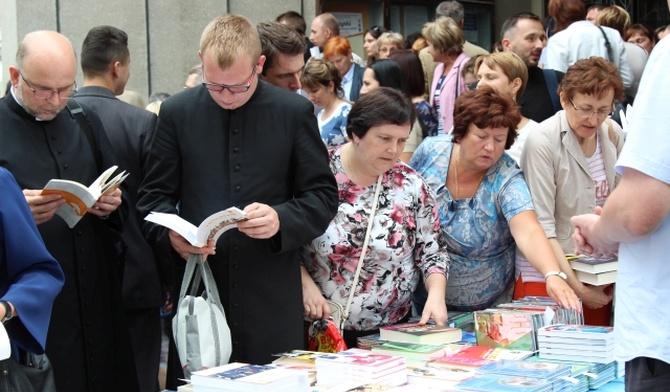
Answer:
(458, 162)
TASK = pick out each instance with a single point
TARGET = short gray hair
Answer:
(452, 9)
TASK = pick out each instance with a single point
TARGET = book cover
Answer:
(421, 334)
(210, 228)
(437, 377)
(78, 197)
(600, 279)
(237, 376)
(577, 331)
(536, 369)
(410, 351)
(511, 329)
(359, 361)
(594, 265)
(496, 383)
(476, 356)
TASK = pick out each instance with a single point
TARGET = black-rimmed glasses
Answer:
(587, 113)
(46, 93)
(234, 89)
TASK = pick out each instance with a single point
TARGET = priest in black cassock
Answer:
(87, 342)
(238, 141)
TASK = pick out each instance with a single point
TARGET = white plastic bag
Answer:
(200, 330)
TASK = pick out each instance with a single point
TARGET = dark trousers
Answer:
(144, 326)
(647, 374)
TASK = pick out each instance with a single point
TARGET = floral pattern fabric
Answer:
(479, 240)
(428, 116)
(405, 241)
(334, 129)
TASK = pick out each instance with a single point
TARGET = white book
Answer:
(211, 228)
(79, 197)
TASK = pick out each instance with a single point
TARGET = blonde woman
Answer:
(445, 43)
(389, 42)
(322, 83)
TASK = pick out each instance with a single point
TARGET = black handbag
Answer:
(32, 373)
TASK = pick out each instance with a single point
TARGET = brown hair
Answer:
(320, 73)
(592, 76)
(413, 71)
(566, 11)
(485, 108)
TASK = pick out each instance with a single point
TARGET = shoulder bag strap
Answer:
(77, 112)
(607, 44)
(364, 250)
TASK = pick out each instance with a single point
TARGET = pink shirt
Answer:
(453, 86)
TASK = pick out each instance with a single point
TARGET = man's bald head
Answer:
(45, 60)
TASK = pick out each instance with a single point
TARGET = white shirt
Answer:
(582, 40)
(517, 147)
(641, 313)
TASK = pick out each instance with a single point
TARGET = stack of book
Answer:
(581, 343)
(551, 372)
(244, 377)
(299, 360)
(363, 366)
(414, 352)
(594, 271)
(580, 372)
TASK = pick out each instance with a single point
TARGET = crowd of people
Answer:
(464, 177)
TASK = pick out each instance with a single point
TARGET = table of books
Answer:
(529, 345)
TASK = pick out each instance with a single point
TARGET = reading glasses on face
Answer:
(234, 89)
(587, 113)
(46, 93)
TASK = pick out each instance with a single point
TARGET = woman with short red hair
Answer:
(337, 50)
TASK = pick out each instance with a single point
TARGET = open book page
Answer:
(211, 228)
(78, 197)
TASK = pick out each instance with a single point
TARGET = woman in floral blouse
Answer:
(405, 242)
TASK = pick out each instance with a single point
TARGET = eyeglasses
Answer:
(587, 113)
(234, 89)
(46, 93)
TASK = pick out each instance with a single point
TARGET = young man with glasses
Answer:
(239, 141)
(88, 339)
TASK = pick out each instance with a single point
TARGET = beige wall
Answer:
(164, 34)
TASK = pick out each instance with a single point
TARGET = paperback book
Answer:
(211, 228)
(476, 356)
(496, 383)
(79, 197)
(600, 279)
(593, 265)
(507, 328)
(420, 334)
(244, 377)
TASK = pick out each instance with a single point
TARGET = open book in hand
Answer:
(211, 228)
(78, 197)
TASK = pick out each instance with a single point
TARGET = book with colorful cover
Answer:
(578, 331)
(476, 356)
(237, 376)
(298, 357)
(497, 383)
(412, 351)
(422, 334)
(358, 360)
(505, 328)
(537, 369)
(594, 265)
(437, 377)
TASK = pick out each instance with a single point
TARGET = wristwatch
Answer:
(8, 311)
(560, 274)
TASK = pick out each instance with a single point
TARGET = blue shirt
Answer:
(479, 240)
